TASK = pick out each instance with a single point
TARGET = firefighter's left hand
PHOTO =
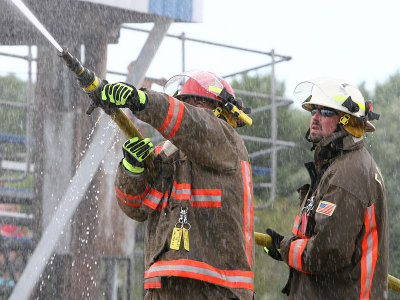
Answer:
(274, 249)
(135, 152)
(120, 95)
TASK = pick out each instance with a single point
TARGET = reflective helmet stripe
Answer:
(341, 99)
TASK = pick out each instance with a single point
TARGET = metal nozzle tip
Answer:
(64, 52)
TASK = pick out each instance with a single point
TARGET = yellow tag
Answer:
(176, 238)
(186, 239)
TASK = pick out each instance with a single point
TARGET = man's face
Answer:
(199, 102)
(322, 126)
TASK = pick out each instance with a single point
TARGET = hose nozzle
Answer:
(87, 79)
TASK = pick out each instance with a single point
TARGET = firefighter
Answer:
(338, 248)
(199, 240)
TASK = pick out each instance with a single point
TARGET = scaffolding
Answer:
(276, 101)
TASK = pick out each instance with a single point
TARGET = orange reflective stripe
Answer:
(181, 191)
(206, 197)
(202, 271)
(248, 208)
(296, 224)
(296, 250)
(369, 251)
(152, 283)
(157, 150)
(153, 199)
(130, 200)
(174, 118)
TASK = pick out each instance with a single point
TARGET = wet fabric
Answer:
(174, 288)
(204, 171)
(342, 251)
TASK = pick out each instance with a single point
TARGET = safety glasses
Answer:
(325, 112)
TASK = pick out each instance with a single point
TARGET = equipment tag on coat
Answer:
(326, 208)
(176, 238)
(186, 239)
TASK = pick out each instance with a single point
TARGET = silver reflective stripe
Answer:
(206, 198)
(152, 279)
(295, 250)
(369, 252)
(249, 203)
(182, 191)
(202, 271)
(296, 224)
(153, 198)
(174, 118)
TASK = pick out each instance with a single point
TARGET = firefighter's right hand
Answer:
(120, 95)
(135, 152)
(274, 249)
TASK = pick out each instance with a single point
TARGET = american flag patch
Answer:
(326, 208)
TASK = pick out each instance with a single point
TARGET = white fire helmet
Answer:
(336, 94)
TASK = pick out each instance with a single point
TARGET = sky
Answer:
(355, 40)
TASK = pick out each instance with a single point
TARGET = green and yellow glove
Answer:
(120, 95)
(135, 152)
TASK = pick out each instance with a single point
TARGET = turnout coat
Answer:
(203, 170)
(339, 246)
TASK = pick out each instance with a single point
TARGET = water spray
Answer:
(25, 10)
(89, 82)
(93, 85)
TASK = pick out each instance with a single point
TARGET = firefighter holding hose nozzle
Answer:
(199, 240)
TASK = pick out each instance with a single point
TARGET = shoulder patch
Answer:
(326, 208)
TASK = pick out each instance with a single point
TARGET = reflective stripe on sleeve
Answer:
(135, 201)
(296, 250)
(202, 271)
(296, 224)
(369, 252)
(153, 199)
(181, 191)
(248, 208)
(152, 283)
(174, 118)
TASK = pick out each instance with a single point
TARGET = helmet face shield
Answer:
(332, 93)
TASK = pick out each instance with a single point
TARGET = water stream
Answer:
(25, 10)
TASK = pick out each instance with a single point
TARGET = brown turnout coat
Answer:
(342, 250)
(202, 168)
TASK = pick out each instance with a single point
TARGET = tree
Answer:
(383, 145)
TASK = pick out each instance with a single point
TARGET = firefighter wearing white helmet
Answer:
(337, 94)
(338, 248)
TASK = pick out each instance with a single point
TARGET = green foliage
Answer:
(270, 275)
(292, 126)
(12, 90)
(383, 145)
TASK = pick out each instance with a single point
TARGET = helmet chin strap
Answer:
(226, 116)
